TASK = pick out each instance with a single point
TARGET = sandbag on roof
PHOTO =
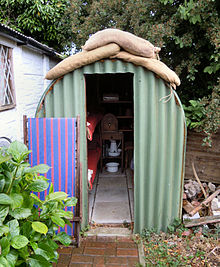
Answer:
(81, 59)
(128, 41)
(151, 64)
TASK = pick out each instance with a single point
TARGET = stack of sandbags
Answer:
(128, 41)
(82, 59)
(107, 44)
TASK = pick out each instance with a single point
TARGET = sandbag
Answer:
(151, 64)
(81, 59)
(128, 41)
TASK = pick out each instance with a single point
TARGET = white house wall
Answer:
(29, 67)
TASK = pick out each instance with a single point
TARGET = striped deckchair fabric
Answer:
(53, 142)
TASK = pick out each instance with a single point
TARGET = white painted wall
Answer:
(29, 67)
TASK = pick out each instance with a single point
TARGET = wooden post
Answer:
(25, 130)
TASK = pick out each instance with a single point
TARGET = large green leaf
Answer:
(63, 213)
(41, 168)
(38, 186)
(36, 198)
(20, 213)
(4, 158)
(63, 238)
(3, 230)
(51, 188)
(45, 251)
(24, 253)
(8, 180)
(5, 246)
(57, 220)
(56, 196)
(71, 201)
(17, 200)
(12, 257)
(4, 262)
(28, 201)
(5, 199)
(2, 184)
(19, 241)
(26, 229)
(40, 227)
(38, 261)
(13, 227)
(3, 212)
(18, 151)
(50, 243)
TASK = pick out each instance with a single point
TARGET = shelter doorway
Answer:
(110, 132)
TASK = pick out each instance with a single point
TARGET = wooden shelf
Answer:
(116, 102)
(124, 117)
(125, 130)
(109, 157)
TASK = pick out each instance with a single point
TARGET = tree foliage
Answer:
(187, 31)
(46, 21)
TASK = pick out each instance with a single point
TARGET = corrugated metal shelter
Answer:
(159, 139)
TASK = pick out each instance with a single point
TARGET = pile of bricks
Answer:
(100, 251)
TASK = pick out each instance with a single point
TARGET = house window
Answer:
(7, 92)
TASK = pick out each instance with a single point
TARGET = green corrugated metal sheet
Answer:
(159, 139)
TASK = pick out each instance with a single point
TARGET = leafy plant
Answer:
(204, 114)
(46, 21)
(28, 225)
(194, 113)
(176, 227)
(84, 230)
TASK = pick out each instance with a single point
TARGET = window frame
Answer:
(10, 77)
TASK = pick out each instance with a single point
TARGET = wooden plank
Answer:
(207, 159)
(204, 202)
(202, 221)
(25, 129)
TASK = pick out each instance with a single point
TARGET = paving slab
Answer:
(109, 231)
(107, 195)
(111, 212)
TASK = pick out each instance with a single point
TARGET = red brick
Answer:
(98, 265)
(64, 259)
(124, 239)
(89, 238)
(94, 251)
(96, 244)
(78, 250)
(80, 265)
(61, 265)
(81, 259)
(116, 260)
(132, 261)
(110, 251)
(106, 239)
(111, 245)
(127, 252)
(114, 265)
(99, 260)
(126, 245)
(65, 250)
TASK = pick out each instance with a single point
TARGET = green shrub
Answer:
(28, 225)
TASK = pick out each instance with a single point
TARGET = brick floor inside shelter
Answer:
(100, 251)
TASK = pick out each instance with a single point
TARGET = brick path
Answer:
(100, 251)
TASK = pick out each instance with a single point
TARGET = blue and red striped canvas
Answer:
(53, 141)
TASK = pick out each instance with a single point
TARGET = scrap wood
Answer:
(197, 178)
(202, 221)
(187, 206)
(204, 202)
